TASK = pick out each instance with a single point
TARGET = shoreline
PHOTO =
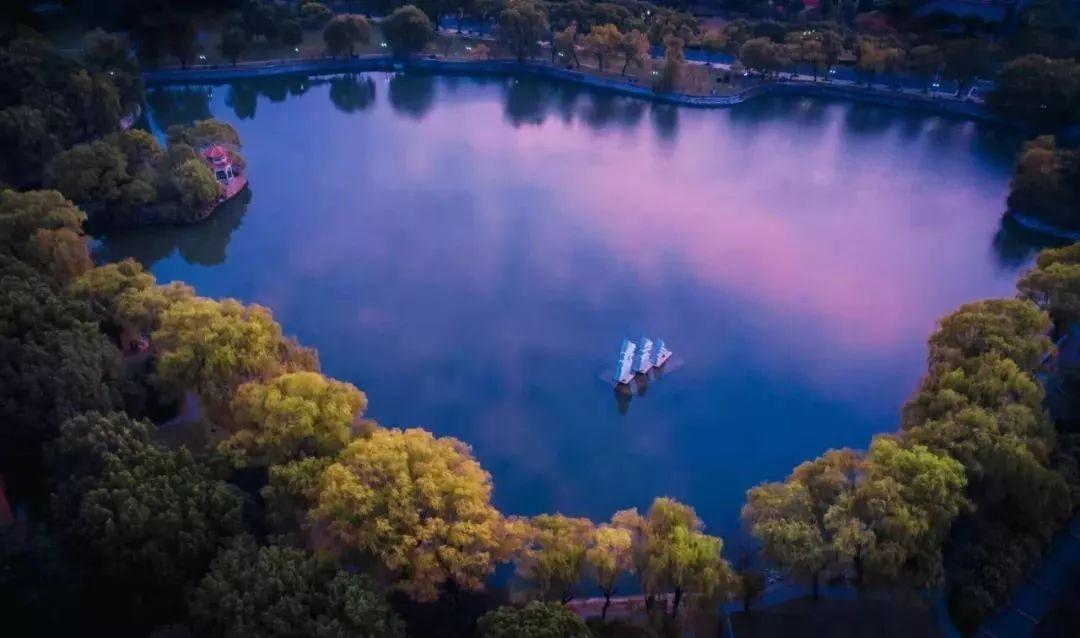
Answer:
(952, 108)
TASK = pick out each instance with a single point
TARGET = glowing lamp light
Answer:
(382, 44)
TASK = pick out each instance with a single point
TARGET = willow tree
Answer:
(552, 554)
(609, 557)
(521, 25)
(421, 505)
(292, 416)
(602, 42)
(671, 553)
(900, 512)
(211, 347)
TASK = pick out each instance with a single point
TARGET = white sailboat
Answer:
(643, 361)
(624, 372)
(662, 354)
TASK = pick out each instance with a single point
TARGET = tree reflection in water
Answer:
(412, 93)
(172, 105)
(352, 93)
(203, 243)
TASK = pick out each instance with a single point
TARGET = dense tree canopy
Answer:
(1054, 284)
(145, 516)
(1046, 183)
(1013, 329)
(535, 620)
(292, 416)
(282, 592)
(24, 213)
(1039, 90)
(422, 505)
(49, 101)
(211, 347)
(56, 363)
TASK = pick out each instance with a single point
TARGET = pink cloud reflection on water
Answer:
(792, 222)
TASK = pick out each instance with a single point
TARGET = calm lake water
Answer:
(470, 252)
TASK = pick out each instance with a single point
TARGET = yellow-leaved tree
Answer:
(292, 416)
(421, 505)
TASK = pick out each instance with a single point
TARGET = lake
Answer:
(471, 251)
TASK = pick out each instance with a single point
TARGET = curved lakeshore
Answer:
(920, 103)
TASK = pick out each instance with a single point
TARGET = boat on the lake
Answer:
(624, 366)
(643, 362)
(634, 360)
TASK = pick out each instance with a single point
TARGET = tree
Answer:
(552, 554)
(609, 556)
(762, 55)
(1054, 284)
(521, 25)
(712, 43)
(966, 60)
(736, 33)
(118, 170)
(234, 42)
(634, 48)
(270, 592)
(421, 505)
(313, 15)
(28, 144)
(56, 365)
(781, 516)
(24, 213)
(126, 297)
(196, 185)
(807, 47)
(681, 558)
(290, 32)
(212, 347)
(565, 44)
(1038, 90)
(535, 620)
(94, 172)
(602, 41)
(291, 416)
(144, 516)
(926, 62)
(182, 39)
(61, 252)
(203, 133)
(875, 55)
(407, 30)
(1013, 329)
(673, 68)
(905, 502)
(1044, 184)
(344, 32)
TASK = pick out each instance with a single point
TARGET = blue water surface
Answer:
(471, 251)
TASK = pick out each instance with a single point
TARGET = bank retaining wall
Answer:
(880, 97)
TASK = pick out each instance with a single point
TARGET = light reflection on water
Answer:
(470, 251)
